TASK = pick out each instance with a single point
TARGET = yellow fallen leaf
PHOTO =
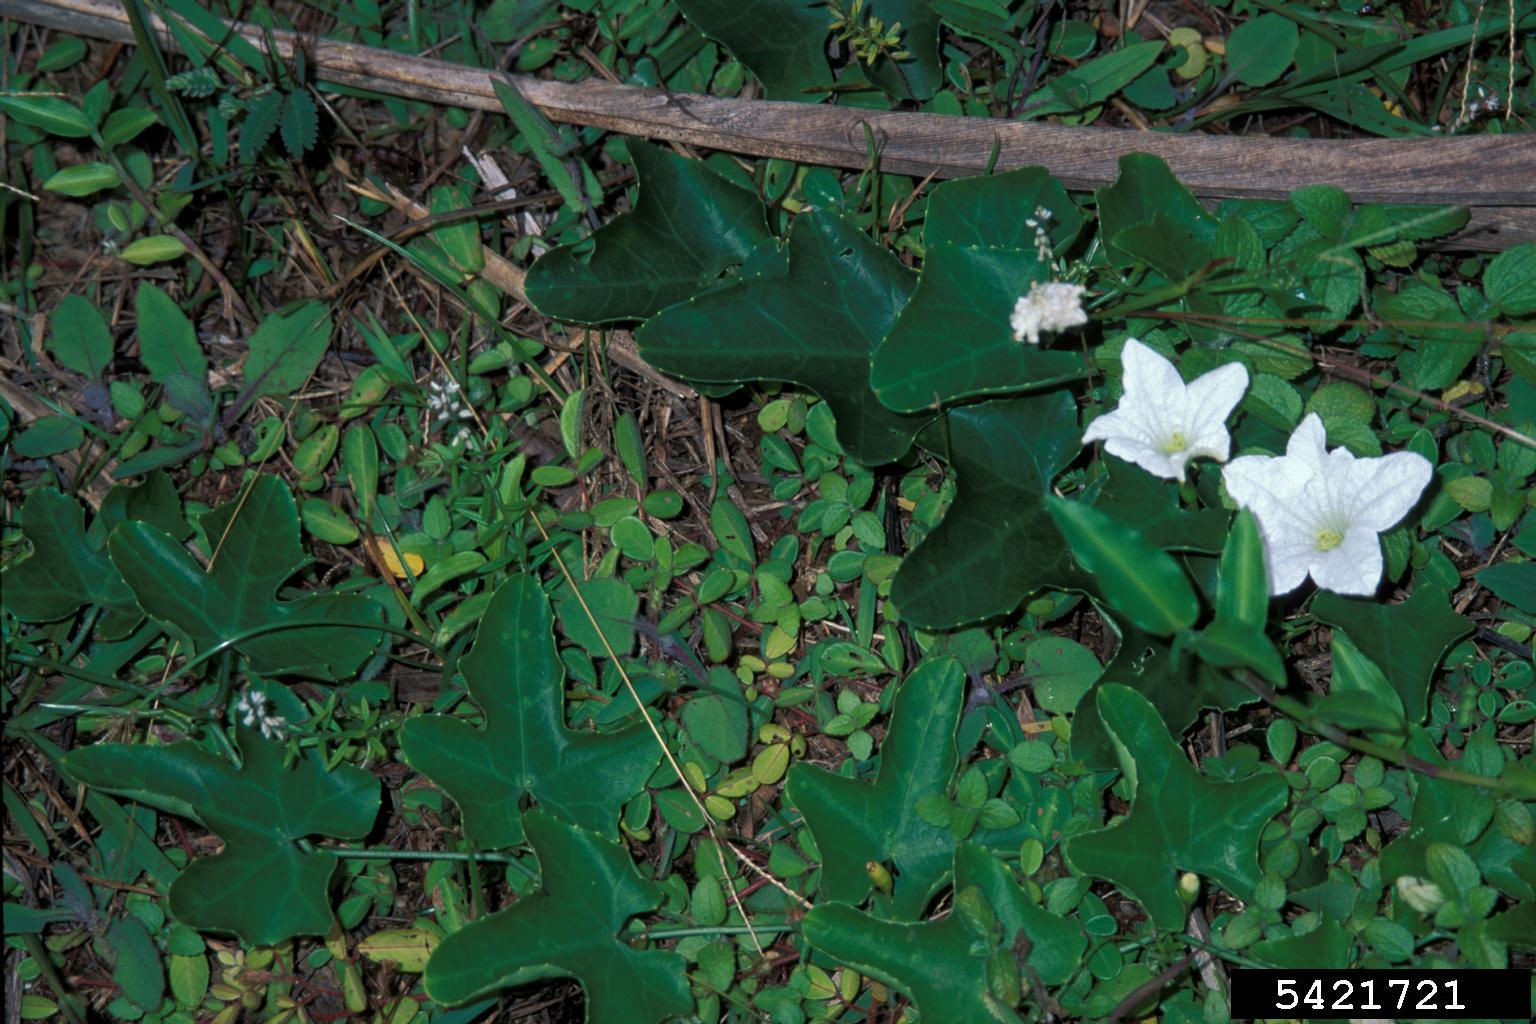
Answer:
(407, 948)
(385, 553)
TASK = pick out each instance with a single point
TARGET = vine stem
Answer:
(719, 929)
(1309, 720)
(385, 853)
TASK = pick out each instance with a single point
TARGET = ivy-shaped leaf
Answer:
(783, 42)
(856, 823)
(954, 339)
(942, 965)
(324, 635)
(1003, 211)
(261, 887)
(1133, 496)
(1179, 820)
(1145, 188)
(997, 542)
(1406, 640)
(1178, 686)
(815, 323)
(66, 570)
(526, 749)
(688, 226)
(568, 929)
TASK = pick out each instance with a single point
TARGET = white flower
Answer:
(1320, 512)
(1048, 307)
(1161, 423)
(256, 710)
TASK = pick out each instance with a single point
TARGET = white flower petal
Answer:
(1287, 557)
(1208, 401)
(1107, 425)
(1309, 442)
(1353, 567)
(1148, 376)
(1385, 489)
(1149, 457)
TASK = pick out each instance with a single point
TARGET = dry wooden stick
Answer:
(1493, 174)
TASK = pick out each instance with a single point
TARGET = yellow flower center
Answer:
(1175, 444)
(1327, 540)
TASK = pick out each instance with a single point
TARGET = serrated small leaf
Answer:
(261, 118)
(300, 123)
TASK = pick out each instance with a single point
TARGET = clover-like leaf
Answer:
(856, 823)
(688, 225)
(1458, 815)
(816, 323)
(997, 542)
(568, 929)
(942, 965)
(261, 887)
(1405, 640)
(955, 340)
(66, 571)
(526, 749)
(1179, 820)
(257, 548)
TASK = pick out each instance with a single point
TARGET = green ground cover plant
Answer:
(457, 567)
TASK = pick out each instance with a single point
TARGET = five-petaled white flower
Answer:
(1053, 306)
(1320, 512)
(1161, 423)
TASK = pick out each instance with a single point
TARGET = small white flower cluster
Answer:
(257, 711)
(1485, 102)
(447, 407)
(1041, 218)
(1053, 306)
(1319, 511)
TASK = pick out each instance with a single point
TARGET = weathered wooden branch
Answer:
(1495, 175)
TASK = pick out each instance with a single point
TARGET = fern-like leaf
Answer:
(198, 83)
(301, 123)
(260, 122)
